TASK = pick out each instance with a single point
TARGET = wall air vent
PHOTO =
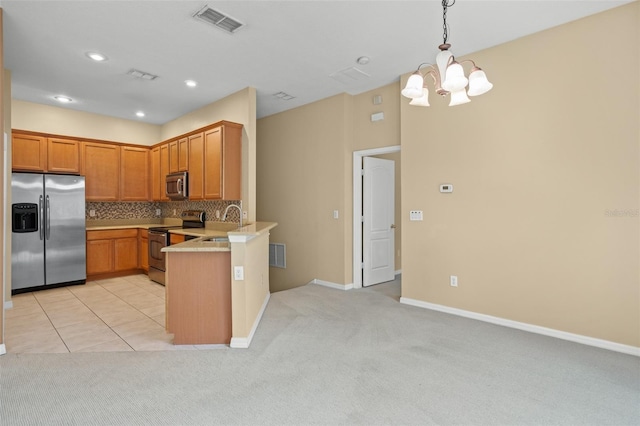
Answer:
(218, 19)
(277, 255)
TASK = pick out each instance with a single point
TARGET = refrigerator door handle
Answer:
(40, 219)
(48, 218)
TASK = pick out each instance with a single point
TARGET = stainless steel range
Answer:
(159, 238)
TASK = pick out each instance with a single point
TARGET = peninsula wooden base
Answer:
(198, 297)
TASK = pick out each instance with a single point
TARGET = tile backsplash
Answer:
(148, 210)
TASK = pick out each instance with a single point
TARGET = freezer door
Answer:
(27, 248)
(64, 229)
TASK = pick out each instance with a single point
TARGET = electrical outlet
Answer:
(415, 215)
(92, 213)
(174, 212)
(244, 215)
(217, 214)
(238, 273)
(336, 214)
(158, 212)
(453, 280)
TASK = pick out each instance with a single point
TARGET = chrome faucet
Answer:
(239, 207)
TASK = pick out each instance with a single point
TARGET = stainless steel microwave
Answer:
(177, 186)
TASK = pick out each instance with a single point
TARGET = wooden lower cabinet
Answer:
(176, 239)
(143, 249)
(199, 297)
(99, 256)
(112, 252)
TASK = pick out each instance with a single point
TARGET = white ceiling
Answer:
(285, 46)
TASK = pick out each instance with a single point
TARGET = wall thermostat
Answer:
(446, 187)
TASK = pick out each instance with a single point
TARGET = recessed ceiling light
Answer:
(63, 99)
(140, 114)
(363, 60)
(191, 83)
(98, 57)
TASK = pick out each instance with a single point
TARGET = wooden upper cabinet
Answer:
(101, 167)
(174, 160)
(183, 155)
(134, 174)
(196, 164)
(28, 153)
(63, 156)
(179, 155)
(213, 163)
(31, 153)
(164, 170)
(223, 162)
(155, 181)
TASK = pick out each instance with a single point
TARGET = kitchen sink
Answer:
(215, 240)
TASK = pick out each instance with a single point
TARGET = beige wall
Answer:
(301, 177)
(305, 172)
(249, 295)
(68, 122)
(2, 179)
(538, 165)
(239, 107)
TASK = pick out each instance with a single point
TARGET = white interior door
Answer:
(378, 226)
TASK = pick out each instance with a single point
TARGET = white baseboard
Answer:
(577, 338)
(244, 342)
(8, 304)
(3, 350)
(332, 285)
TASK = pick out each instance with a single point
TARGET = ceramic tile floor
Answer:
(118, 314)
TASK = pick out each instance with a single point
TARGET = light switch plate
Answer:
(415, 215)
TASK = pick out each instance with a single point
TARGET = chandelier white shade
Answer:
(448, 76)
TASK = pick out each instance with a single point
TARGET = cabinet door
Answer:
(232, 162)
(99, 257)
(143, 249)
(154, 179)
(196, 164)
(213, 164)
(63, 156)
(174, 160)
(164, 171)
(101, 167)
(134, 174)
(125, 253)
(176, 239)
(28, 153)
(183, 155)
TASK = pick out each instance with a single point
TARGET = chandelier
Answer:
(454, 81)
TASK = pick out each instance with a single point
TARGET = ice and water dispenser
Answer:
(25, 217)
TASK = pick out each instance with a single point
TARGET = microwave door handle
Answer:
(40, 218)
(180, 186)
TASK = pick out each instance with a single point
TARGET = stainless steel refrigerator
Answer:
(48, 242)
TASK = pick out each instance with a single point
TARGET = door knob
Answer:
(393, 226)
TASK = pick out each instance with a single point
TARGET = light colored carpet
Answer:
(325, 357)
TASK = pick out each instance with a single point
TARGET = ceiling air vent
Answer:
(218, 19)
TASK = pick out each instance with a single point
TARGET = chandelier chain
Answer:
(445, 27)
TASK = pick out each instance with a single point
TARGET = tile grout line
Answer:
(51, 322)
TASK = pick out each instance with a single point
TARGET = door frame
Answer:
(357, 206)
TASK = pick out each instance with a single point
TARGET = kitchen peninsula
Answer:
(217, 290)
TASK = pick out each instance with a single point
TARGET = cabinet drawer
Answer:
(112, 234)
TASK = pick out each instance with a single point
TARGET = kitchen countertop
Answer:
(237, 235)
